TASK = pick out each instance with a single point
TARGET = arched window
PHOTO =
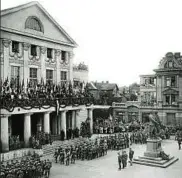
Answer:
(34, 23)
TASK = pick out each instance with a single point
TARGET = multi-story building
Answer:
(160, 93)
(34, 47)
(147, 89)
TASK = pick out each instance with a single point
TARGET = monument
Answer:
(154, 155)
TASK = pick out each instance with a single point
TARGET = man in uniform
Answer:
(56, 155)
(131, 153)
(119, 160)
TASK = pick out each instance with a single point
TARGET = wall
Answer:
(80, 75)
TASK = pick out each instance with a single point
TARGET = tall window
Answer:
(33, 50)
(63, 77)
(49, 53)
(167, 99)
(15, 75)
(63, 55)
(171, 81)
(33, 76)
(34, 23)
(15, 46)
(49, 76)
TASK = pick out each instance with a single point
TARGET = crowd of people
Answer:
(84, 151)
(14, 142)
(39, 139)
(15, 89)
(29, 167)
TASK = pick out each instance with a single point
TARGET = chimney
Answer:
(177, 55)
(102, 81)
(107, 81)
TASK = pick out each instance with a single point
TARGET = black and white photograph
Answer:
(90, 89)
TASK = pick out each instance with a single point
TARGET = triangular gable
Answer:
(15, 18)
(170, 91)
(167, 58)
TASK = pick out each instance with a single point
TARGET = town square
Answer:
(83, 96)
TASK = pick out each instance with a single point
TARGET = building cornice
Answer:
(35, 36)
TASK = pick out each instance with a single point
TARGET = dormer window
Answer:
(15, 46)
(34, 23)
(49, 53)
(33, 50)
(170, 64)
(63, 55)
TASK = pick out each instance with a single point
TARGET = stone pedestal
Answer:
(152, 155)
(153, 148)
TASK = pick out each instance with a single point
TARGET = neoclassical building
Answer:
(35, 47)
(161, 93)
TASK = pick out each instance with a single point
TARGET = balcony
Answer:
(171, 105)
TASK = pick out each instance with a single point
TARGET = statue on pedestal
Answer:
(154, 127)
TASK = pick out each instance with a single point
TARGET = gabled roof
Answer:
(106, 86)
(91, 86)
(35, 3)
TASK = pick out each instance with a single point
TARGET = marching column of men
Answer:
(85, 151)
(29, 167)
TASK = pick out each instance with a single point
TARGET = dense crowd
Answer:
(16, 89)
(29, 167)
(39, 139)
(14, 142)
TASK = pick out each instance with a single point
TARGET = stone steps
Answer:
(155, 163)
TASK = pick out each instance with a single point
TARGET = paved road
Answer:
(107, 167)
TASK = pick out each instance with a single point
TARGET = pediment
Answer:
(15, 19)
(170, 91)
(170, 62)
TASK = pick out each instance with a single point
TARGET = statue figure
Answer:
(154, 127)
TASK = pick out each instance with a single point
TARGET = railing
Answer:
(171, 105)
(45, 103)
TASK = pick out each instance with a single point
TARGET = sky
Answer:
(118, 39)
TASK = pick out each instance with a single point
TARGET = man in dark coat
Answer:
(119, 160)
(131, 153)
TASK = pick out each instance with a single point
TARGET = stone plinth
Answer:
(153, 148)
(152, 155)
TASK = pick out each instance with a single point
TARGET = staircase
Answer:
(50, 149)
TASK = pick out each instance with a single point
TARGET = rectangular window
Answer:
(15, 74)
(49, 53)
(63, 77)
(33, 76)
(49, 76)
(63, 55)
(33, 50)
(173, 99)
(167, 99)
(173, 81)
(15, 46)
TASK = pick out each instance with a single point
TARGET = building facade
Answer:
(160, 93)
(35, 48)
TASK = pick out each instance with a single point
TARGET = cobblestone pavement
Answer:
(107, 166)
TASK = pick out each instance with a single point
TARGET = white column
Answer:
(26, 47)
(6, 69)
(4, 133)
(47, 122)
(90, 115)
(73, 119)
(69, 56)
(43, 67)
(27, 129)
(58, 59)
(63, 122)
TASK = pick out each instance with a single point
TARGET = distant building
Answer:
(80, 74)
(160, 93)
(147, 89)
